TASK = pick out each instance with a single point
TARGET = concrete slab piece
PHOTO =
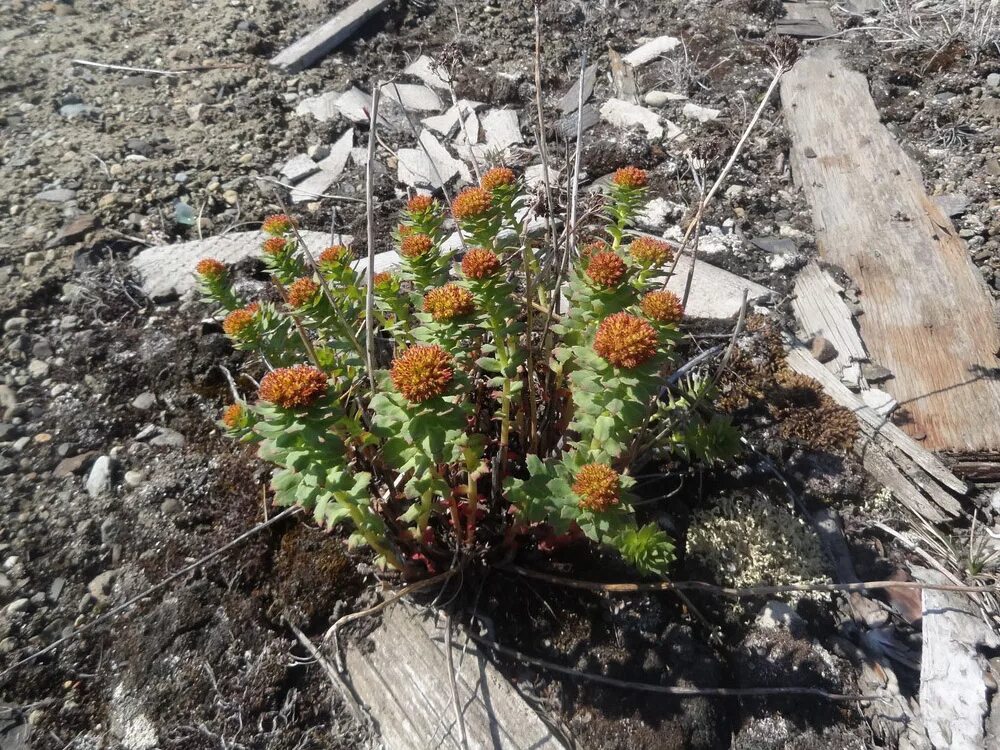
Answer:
(427, 71)
(298, 168)
(168, 270)
(315, 45)
(623, 114)
(413, 97)
(501, 128)
(651, 50)
(322, 107)
(329, 170)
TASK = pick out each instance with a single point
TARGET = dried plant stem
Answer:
(543, 148)
(370, 217)
(740, 592)
(679, 691)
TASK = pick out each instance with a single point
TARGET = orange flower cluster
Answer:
(598, 487)
(630, 177)
(302, 291)
(382, 282)
(238, 320)
(650, 252)
(471, 203)
(449, 302)
(419, 203)
(275, 245)
(293, 387)
(422, 372)
(332, 255)
(232, 417)
(415, 245)
(624, 340)
(590, 249)
(497, 177)
(606, 269)
(662, 306)
(480, 263)
(278, 224)
(211, 268)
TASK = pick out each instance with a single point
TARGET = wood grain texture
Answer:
(928, 314)
(401, 674)
(821, 311)
(318, 43)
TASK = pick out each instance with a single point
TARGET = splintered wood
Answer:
(928, 316)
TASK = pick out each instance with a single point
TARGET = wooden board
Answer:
(318, 43)
(806, 20)
(401, 674)
(928, 316)
(821, 311)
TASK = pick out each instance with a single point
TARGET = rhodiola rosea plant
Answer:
(518, 385)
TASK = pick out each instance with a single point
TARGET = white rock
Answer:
(879, 400)
(501, 129)
(657, 98)
(322, 107)
(533, 176)
(701, 114)
(318, 151)
(427, 71)
(383, 262)
(354, 104)
(298, 168)
(651, 50)
(413, 96)
(359, 156)
(656, 214)
(99, 480)
(329, 168)
(446, 124)
(623, 114)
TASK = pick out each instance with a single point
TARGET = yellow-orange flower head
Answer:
(278, 224)
(471, 203)
(497, 177)
(302, 291)
(630, 177)
(449, 302)
(232, 416)
(422, 372)
(663, 306)
(275, 245)
(211, 269)
(480, 263)
(606, 269)
(293, 387)
(382, 282)
(590, 249)
(419, 203)
(598, 486)
(626, 341)
(333, 255)
(415, 245)
(239, 320)
(650, 252)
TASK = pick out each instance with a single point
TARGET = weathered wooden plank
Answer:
(928, 315)
(954, 692)
(871, 423)
(401, 674)
(318, 43)
(806, 20)
(821, 312)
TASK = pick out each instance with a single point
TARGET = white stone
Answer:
(354, 104)
(427, 71)
(413, 96)
(623, 114)
(879, 400)
(383, 262)
(322, 107)
(658, 213)
(657, 98)
(651, 50)
(442, 158)
(99, 480)
(701, 114)
(501, 129)
(329, 168)
(298, 168)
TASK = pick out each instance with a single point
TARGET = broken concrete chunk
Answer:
(354, 104)
(318, 43)
(701, 114)
(298, 168)
(446, 124)
(567, 123)
(413, 97)
(623, 114)
(322, 107)
(329, 168)
(443, 159)
(534, 176)
(571, 99)
(651, 50)
(658, 213)
(501, 129)
(427, 71)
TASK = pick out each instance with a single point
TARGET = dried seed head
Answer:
(419, 203)
(497, 177)
(480, 263)
(630, 177)
(239, 320)
(415, 245)
(471, 203)
(232, 416)
(293, 387)
(606, 269)
(278, 224)
(422, 372)
(663, 306)
(624, 340)
(302, 291)
(650, 252)
(275, 245)
(333, 255)
(211, 269)
(598, 487)
(449, 302)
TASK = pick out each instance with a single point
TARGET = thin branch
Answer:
(370, 216)
(139, 597)
(732, 341)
